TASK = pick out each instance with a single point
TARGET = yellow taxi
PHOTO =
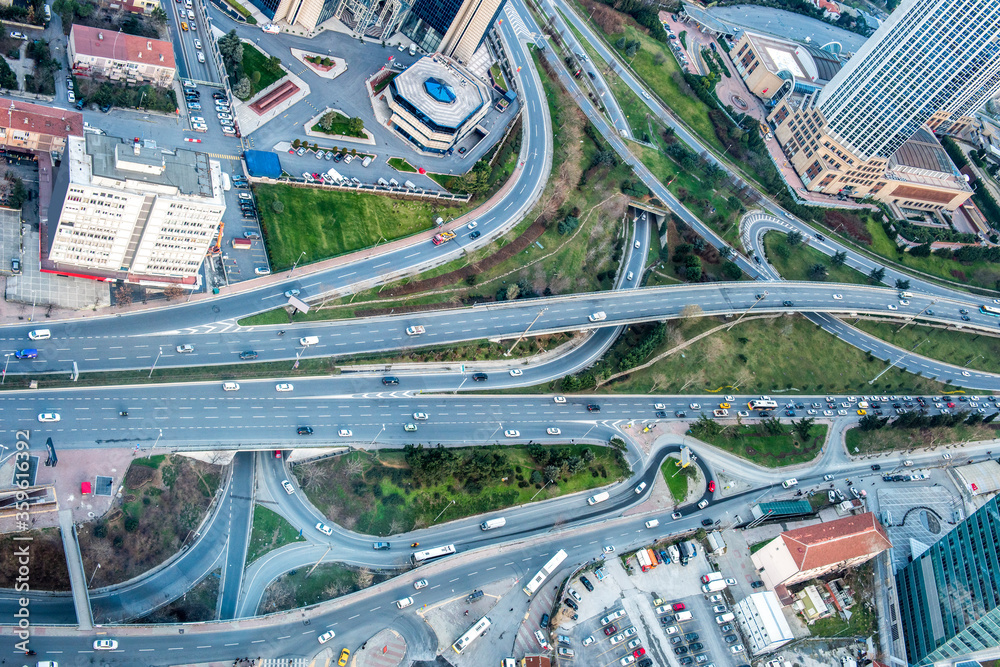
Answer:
(345, 655)
(862, 412)
(723, 406)
(184, 26)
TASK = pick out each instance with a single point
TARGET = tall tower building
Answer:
(949, 597)
(929, 56)
(455, 28)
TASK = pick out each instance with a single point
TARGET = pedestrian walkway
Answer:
(385, 649)
(74, 563)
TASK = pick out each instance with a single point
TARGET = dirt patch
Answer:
(196, 606)
(47, 560)
(159, 508)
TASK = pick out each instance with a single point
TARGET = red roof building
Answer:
(814, 551)
(33, 127)
(120, 57)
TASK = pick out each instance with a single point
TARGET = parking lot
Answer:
(663, 640)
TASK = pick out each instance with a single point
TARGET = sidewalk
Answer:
(74, 563)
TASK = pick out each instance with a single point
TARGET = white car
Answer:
(842, 412)
(262, 271)
(730, 399)
(345, 433)
(646, 95)
(588, 640)
(827, 478)
(665, 609)
(472, 225)
(105, 644)
(287, 486)
(283, 386)
(670, 629)
(516, 372)
(627, 660)
(420, 416)
(659, 406)
(829, 413)
(640, 488)
(552, 430)
(326, 636)
(576, 596)
(743, 413)
(224, 116)
(736, 649)
(630, 632)
(422, 583)
(618, 639)
(326, 530)
(893, 306)
(558, 399)
(965, 373)
(307, 177)
(511, 433)
(695, 406)
(838, 297)
(404, 603)
(48, 417)
(201, 57)
(703, 504)
(609, 549)
(730, 582)
(904, 302)
(715, 599)
(197, 43)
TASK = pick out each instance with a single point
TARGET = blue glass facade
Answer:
(949, 597)
(428, 21)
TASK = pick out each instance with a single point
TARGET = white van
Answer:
(598, 498)
(724, 618)
(683, 616)
(789, 483)
(652, 523)
(599, 316)
(367, 161)
(230, 386)
(306, 341)
(405, 602)
(40, 334)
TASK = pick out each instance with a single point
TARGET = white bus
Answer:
(474, 633)
(544, 573)
(430, 554)
(762, 404)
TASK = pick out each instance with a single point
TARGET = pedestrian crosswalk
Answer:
(516, 22)
(220, 156)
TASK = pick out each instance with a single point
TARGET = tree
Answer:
(159, 16)
(818, 271)
(705, 426)
(793, 238)
(273, 65)
(872, 422)
(172, 292)
(731, 271)
(551, 473)
(902, 284)
(839, 258)
(802, 427)
(355, 125)
(231, 49)
(568, 224)
(242, 89)
(296, 143)
(876, 275)
(364, 577)
(255, 77)
(327, 120)
(123, 296)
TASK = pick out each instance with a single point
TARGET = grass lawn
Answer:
(676, 481)
(300, 588)
(242, 11)
(270, 531)
(255, 61)
(400, 164)
(164, 498)
(971, 350)
(497, 75)
(801, 258)
(341, 125)
(326, 223)
(754, 548)
(388, 495)
(773, 451)
(898, 439)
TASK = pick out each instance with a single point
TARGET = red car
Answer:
(611, 629)
(679, 606)
(711, 486)
(639, 652)
(951, 405)
(277, 453)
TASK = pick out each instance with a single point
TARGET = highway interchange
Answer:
(202, 416)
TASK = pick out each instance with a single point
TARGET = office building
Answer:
(436, 102)
(762, 622)
(949, 596)
(120, 57)
(773, 67)
(133, 213)
(32, 127)
(933, 61)
(468, 28)
(820, 549)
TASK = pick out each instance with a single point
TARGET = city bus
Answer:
(431, 554)
(762, 404)
(475, 632)
(544, 573)
(989, 310)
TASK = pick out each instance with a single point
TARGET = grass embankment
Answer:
(969, 350)
(766, 448)
(676, 479)
(406, 489)
(270, 531)
(400, 164)
(798, 262)
(301, 588)
(898, 439)
(326, 223)
(47, 548)
(163, 500)
(198, 605)
(254, 60)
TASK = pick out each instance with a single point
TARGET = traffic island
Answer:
(451, 618)
(326, 66)
(386, 649)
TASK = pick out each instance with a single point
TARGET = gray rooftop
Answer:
(470, 93)
(115, 158)
(922, 151)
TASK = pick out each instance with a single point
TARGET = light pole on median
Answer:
(155, 360)
(301, 255)
(925, 309)
(442, 511)
(872, 381)
(7, 361)
(460, 386)
(376, 438)
(760, 297)
(499, 426)
(158, 438)
(507, 353)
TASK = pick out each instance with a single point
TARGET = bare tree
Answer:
(314, 474)
(364, 577)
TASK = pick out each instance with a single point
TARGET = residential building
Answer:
(133, 213)
(436, 102)
(773, 67)
(949, 596)
(762, 622)
(120, 57)
(820, 549)
(32, 127)
(141, 6)
(535, 661)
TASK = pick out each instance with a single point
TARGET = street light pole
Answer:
(158, 438)
(507, 353)
(376, 438)
(7, 361)
(872, 381)
(155, 360)
(759, 299)
(301, 255)
(499, 426)
(90, 583)
(916, 316)
(442, 511)
(460, 386)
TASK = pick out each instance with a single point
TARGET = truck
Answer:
(335, 175)
(645, 563)
(683, 616)
(789, 483)
(415, 330)
(711, 576)
(652, 523)
(413, 49)
(442, 237)
(714, 586)
(598, 498)
(499, 522)
(599, 316)
(674, 553)
(227, 184)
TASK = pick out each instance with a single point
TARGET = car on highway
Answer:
(323, 528)
(904, 302)
(711, 486)
(892, 306)
(480, 377)
(409, 428)
(558, 399)
(516, 372)
(637, 245)
(703, 504)
(105, 644)
(838, 297)
(472, 225)
(609, 549)
(512, 433)
(676, 515)
(552, 430)
(420, 583)
(640, 488)
(292, 292)
(593, 407)
(390, 380)
(706, 522)
(326, 636)
(287, 486)
(420, 416)
(876, 467)
(48, 417)
(304, 430)
(475, 235)
(862, 412)
(248, 355)
(345, 654)
(345, 433)
(404, 603)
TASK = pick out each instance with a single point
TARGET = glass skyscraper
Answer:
(949, 597)
(929, 56)
(428, 21)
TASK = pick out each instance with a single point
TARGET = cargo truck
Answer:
(598, 498)
(645, 564)
(714, 586)
(443, 237)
